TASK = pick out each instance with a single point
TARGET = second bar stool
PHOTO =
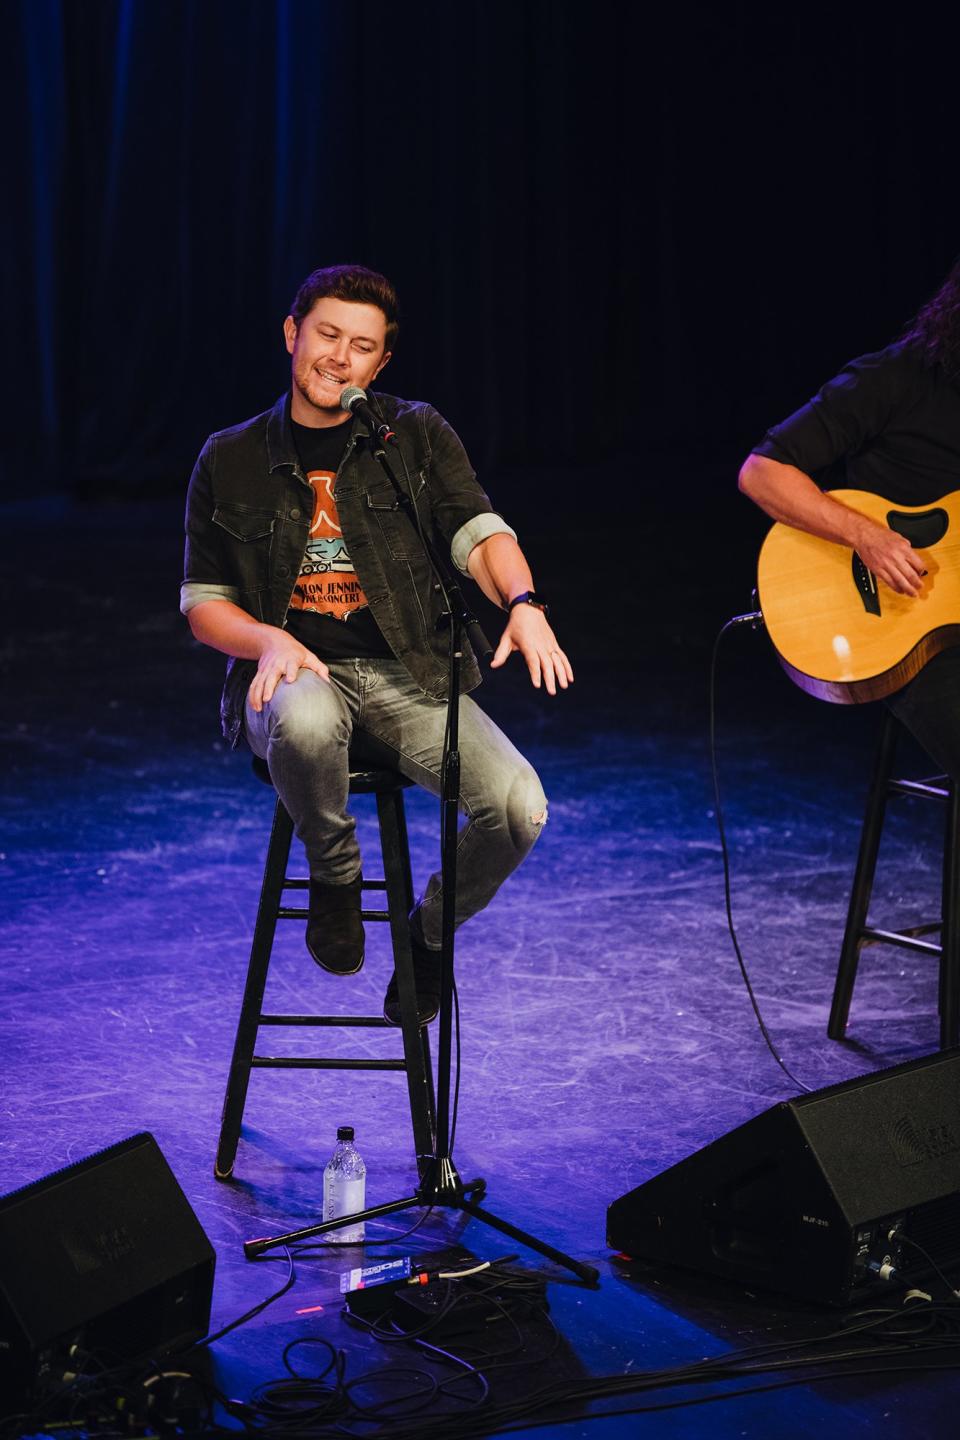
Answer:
(388, 787)
(858, 933)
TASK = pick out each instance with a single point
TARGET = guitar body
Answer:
(839, 633)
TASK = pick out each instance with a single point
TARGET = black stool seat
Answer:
(858, 933)
(387, 786)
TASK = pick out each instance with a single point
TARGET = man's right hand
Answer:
(282, 658)
(890, 556)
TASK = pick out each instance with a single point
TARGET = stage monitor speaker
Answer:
(827, 1197)
(105, 1255)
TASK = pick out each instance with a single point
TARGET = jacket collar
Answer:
(281, 450)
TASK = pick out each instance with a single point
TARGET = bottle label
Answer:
(345, 1197)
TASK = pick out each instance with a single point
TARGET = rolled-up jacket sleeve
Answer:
(480, 528)
(203, 569)
(195, 592)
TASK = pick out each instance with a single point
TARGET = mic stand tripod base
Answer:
(441, 1186)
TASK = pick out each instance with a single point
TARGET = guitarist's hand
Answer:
(891, 557)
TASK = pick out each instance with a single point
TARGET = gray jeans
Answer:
(304, 733)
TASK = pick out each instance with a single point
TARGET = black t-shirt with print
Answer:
(328, 611)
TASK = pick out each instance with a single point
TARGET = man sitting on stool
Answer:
(302, 567)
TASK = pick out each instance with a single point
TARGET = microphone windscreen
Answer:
(351, 396)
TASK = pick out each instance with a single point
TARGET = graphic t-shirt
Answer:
(328, 610)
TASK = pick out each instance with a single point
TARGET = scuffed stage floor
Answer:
(606, 1030)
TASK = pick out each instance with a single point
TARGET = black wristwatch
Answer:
(527, 597)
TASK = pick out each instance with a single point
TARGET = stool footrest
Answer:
(933, 789)
(903, 938)
(300, 882)
(370, 1021)
(283, 1062)
(300, 912)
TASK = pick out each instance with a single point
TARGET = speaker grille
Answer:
(936, 1227)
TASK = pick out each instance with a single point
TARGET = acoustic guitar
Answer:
(841, 634)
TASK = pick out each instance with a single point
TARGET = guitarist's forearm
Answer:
(789, 495)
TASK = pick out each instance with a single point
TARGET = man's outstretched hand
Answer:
(528, 631)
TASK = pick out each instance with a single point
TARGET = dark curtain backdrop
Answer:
(609, 228)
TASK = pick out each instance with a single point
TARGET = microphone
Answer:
(355, 401)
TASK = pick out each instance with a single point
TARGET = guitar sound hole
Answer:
(921, 530)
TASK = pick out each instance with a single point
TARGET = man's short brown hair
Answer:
(349, 282)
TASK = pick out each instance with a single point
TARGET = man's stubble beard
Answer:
(303, 384)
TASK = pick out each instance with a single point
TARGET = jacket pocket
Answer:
(247, 535)
(245, 522)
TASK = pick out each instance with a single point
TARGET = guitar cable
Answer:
(754, 619)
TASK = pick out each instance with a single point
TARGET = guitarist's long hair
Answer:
(935, 329)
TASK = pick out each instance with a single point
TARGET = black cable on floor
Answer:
(258, 1308)
(753, 619)
(324, 1404)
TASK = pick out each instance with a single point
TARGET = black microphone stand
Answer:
(440, 1184)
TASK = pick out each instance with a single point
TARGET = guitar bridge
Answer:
(866, 583)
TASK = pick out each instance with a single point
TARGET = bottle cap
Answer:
(344, 1132)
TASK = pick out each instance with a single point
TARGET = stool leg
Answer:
(271, 892)
(950, 930)
(396, 869)
(863, 879)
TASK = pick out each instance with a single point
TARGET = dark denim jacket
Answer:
(249, 510)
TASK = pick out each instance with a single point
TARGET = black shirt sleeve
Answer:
(846, 414)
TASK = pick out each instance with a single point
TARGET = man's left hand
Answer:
(528, 630)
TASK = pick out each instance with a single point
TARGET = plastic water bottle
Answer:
(344, 1186)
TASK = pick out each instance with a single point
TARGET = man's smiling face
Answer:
(338, 343)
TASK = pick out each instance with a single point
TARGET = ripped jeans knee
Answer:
(526, 809)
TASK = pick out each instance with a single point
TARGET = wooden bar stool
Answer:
(388, 787)
(859, 933)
